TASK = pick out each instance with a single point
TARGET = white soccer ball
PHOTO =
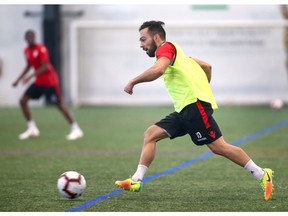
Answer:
(276, 104)
(71, 184)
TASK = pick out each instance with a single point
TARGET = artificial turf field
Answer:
(110, 151)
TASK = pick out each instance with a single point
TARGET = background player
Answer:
(46, 84)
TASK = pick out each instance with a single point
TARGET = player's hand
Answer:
(15, 83)
(129, 88)
(26, 80)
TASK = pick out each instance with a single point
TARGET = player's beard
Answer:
(151, 52)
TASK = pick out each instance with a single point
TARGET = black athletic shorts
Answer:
(196, 120)
(51, 93)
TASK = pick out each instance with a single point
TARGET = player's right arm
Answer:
(25, 70)
(164, 55)
(149, 75)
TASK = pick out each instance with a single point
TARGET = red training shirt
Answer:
(167, 50)
(35, 56)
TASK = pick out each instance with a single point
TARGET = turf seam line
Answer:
(182, 165)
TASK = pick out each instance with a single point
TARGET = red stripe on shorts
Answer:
(203, 114)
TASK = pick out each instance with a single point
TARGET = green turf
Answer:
(110, 151)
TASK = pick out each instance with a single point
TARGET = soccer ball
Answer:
(71, 184)
(276, 104)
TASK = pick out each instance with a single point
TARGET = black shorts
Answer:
(196, 120)
(51, 93)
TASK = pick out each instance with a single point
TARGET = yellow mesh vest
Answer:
(186, 82)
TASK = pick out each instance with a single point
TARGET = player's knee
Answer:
(22, 101)
(218, 147)
(149, 135)
(217, 150)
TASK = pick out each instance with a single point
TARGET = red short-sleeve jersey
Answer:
(167, 50)
(35, 56)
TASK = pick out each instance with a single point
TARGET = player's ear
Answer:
(156, 37)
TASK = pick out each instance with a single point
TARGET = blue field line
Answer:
(182, 165)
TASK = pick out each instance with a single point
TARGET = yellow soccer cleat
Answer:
(130, 185)
(267, 184)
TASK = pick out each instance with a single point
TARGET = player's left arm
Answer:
(44, 58)
(43, 68)
(149, 75)
(206, 67)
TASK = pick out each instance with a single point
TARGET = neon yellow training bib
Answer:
(186, 82)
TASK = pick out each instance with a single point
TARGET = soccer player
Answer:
(187, 82)
(46, 84)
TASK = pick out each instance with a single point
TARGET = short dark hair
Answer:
(30, 31)
(154, 27)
